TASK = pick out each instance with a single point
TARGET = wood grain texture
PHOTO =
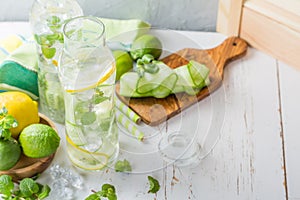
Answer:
(229, 17)
(29, 167)
(289, 83)
(276, 13)
(292, 6)
(269, 36)
(246, 164)
(154, 111)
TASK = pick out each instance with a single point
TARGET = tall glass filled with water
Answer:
(47, 19)
(87, 73)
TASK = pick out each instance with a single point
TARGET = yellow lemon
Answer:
(22, 108)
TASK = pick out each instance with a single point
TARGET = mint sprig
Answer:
(7, 122)
(108, 192)
(27, 189)
(99, 96)
(146, 64)
(46, 41)
(54, 23)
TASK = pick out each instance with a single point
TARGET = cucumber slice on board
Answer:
(190, 78)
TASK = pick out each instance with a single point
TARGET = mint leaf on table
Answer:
(123, 166)
(94, 196)
(27, 190)
(28, 187)
(108, 191)
(6, 185)
(154, 185)
(44, 191)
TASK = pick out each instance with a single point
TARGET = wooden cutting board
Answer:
(154, 111)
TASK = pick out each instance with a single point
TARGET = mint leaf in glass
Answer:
(54, 23)
(99, 96)
(100, 99)
(48, 52)
(88, 118)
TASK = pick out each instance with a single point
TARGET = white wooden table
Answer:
(257, 156)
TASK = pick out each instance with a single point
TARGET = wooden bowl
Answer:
(29, 167)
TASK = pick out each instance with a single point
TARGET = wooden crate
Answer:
(272, 26)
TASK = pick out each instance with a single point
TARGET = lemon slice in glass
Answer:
(85, 159)
(105, 77)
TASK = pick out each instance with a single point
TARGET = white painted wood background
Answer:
(257, 156)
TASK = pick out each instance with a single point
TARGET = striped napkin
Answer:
(18, 68)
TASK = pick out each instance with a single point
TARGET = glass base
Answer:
(180, 150)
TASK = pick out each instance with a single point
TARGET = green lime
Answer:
(124, 63)
(39, 140)
(10, 152)
(146, 44)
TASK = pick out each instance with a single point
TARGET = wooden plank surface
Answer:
(289, 80)
(248, 161)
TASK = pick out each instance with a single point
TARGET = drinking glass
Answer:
(184, 149)
(46, 19)
(180, 149)
(87, 74)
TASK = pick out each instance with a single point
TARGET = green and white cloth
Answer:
(18, 68)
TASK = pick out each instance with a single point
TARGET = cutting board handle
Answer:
(231, 49)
